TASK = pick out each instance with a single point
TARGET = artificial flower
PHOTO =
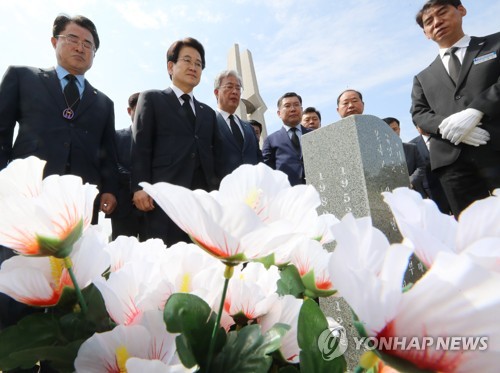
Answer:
(251, 291)
(40, 281)
(285, 310)
(135, 288)
(22, 176)
(311, 260)
(216, 228)
(111, 351)
(48, 223)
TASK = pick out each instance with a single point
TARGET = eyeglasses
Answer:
(231, 87)
(190, 62)
(75, 41)
(289, 106)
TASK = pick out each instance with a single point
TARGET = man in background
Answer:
(282, 149)
(126, 220)
(414, 162)
(430, 183)
(236, 141)
(311, 118)
(456, 100)
(350, 102)
(257, 127)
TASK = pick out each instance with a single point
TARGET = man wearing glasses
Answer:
(173, 138)
(237, 143)
(63, 120)
(282, 150)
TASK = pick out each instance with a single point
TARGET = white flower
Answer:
(251, 291)
(286, 311)
(40, 281)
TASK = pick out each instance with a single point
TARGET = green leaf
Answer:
(311, 290)
(268, 261)
(61, 358)
(193, 318)
(289, 369)
(273, 337)
(312, 322)
(33, 331)
(290, 282)
(247, 351)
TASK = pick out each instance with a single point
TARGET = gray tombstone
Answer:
(351, 162)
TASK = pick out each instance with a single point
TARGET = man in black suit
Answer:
(173, 138)
(457, 101)
(236, 140)
(282, 150)
(126, 220)
(414, 162)
(74, 135)
(430, 183)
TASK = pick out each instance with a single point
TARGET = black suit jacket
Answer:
(228, 154)
(124, 193)
(166, 147)
(435, 97)
(430, 183)
(84, 146)
(415, 164)
(279, 154)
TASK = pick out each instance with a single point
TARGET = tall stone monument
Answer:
(251, 106)
(351, 162)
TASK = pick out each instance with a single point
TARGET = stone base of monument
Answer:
(351, 162)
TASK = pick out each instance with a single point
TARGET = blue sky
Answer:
(316, 48)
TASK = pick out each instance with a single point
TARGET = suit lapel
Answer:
(199, 113)
(51, 82)
(475, 46)
(226, 132)
(439, 71)
(285, 139)
(88, 98)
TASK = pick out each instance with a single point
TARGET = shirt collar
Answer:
(178, 92)
(462, 43)
(226, 115)
(287, 127)
(62, 72)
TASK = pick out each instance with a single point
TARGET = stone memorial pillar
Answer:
(351, 162)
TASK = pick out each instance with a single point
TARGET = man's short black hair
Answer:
(429, 4)
(62, 21)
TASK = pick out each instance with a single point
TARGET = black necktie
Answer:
(295, 139)
(236, 131)
(188, 109)
(71, 93)
(454, 64)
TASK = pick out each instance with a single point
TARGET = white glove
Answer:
(476, 137)
(456, 126)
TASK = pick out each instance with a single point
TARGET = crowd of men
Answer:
(175, 138)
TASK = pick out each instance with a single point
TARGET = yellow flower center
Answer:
(253, 198)
(185, 283)
(56, 268)
(121, 358)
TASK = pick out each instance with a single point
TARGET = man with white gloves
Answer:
(457, 101)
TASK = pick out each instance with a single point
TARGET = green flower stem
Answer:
(69, 266)
(228, 273)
